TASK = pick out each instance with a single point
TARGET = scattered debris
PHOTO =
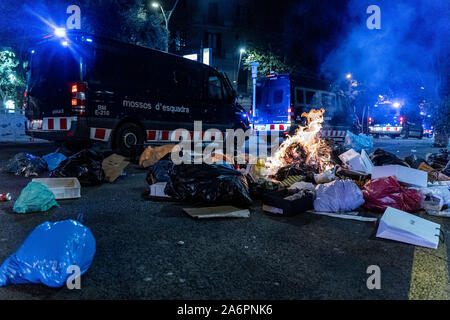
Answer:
(5, 196)
(204, 183)
(358, 142)
(356, 162)
(288, 202)
(408, 176)
(53, 160)
(26, 164)
(157, 190)
(35, 197)
(338, 196)
(404, 227)
(159, 171)
(387, 192)
(217, 212)
(381, 158)
(48, 253)
(113, 167)
(348, 216)
(151, 155)
(62, 188)
(85, 165)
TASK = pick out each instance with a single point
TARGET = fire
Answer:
(305, 148)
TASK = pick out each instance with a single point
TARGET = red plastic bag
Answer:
(387, 192)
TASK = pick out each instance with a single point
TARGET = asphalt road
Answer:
(262, 257)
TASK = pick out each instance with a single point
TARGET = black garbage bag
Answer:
(159, 172)
(446, 170)
(210, 184)
(439, 160)
(26, 164)
(85, 165)
(381, 158)
(414, 161)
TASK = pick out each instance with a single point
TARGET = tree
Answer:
(10, 81)
(268, 61)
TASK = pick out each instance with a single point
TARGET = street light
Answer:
(60, 32)
(241, 52)
(348, 76)
(166, 16)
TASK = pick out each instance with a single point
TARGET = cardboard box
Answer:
(276, 202)
(113, 166)
(217, 212)
(157, 190)
(357, 162)
(412, 177)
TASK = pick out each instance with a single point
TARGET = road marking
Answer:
(429, 275)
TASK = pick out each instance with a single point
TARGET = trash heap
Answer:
(311, 174)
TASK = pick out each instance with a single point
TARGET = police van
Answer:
(84, 88)
(281, 99)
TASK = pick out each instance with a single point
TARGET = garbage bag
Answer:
(446, 170)
(159, 172)
(387, 192)
(85, 165)
(53, 160)
(151, 155)
(380, 158)
(303, 186)
(48, 252)
(338, 196)
(35, 197)
(438, 160)
(358, 142)
(414, 161)
(439, 192)
(26, 164)
(206, 183)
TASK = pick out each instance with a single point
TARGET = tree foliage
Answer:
(268, 61)
(10, 80)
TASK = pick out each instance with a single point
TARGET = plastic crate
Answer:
(62, 188)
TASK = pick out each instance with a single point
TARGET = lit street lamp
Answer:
(241, 52)
(166, 15)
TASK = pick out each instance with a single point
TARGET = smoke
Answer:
(409, 51)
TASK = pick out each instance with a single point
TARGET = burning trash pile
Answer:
(312, 174)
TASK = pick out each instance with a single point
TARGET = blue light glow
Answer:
(60, 32)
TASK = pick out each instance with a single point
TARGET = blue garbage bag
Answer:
(358, 142)
(53, 160)
(35, 197)
(48, 252)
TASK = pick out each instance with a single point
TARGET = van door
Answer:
(54, 69)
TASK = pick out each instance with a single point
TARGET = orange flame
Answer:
(306, 139)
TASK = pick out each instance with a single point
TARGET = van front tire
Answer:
(127, 137)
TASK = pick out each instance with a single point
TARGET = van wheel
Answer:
(128, 136)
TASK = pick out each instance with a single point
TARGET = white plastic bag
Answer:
(338, 196)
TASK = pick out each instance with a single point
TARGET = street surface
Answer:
(263, 257)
